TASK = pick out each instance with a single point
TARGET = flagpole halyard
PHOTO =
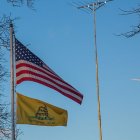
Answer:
(12, 83)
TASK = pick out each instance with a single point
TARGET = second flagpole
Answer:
(92, 7)
(97, 74)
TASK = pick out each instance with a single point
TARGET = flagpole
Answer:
(97, 73)
(12, 83)
(92, 7)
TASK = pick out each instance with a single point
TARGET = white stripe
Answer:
(45, 75)
(48, 82)
(32, 64)
(46, 67)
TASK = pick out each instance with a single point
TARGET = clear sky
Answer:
(62, 36)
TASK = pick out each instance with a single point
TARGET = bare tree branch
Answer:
(132, 11)
(135, 29)
(18, 3)
(5, 115)
(4, 31)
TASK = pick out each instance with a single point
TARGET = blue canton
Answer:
(22, 53)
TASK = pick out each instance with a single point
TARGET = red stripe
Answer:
(43, 83)
(48, 79)
(45, 72)
(60, 78)
(47, 68)
(22, 64)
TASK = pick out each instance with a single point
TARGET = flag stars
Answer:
(22, 53)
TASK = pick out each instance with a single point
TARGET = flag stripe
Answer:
(31, 67)
(43, 78)
(35, 79)
(22, 70)
(55, 86)
(21, 63)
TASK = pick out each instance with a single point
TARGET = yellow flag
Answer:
(36, 112)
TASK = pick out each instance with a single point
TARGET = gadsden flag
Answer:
(35, 112)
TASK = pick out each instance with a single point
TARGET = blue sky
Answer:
(62, 36)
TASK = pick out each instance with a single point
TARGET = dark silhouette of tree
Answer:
(135, 29)
(5, 115)
(29, 3)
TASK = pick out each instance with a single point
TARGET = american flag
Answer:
(31, 68)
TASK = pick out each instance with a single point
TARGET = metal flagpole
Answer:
(92, 7)
(12, 83)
